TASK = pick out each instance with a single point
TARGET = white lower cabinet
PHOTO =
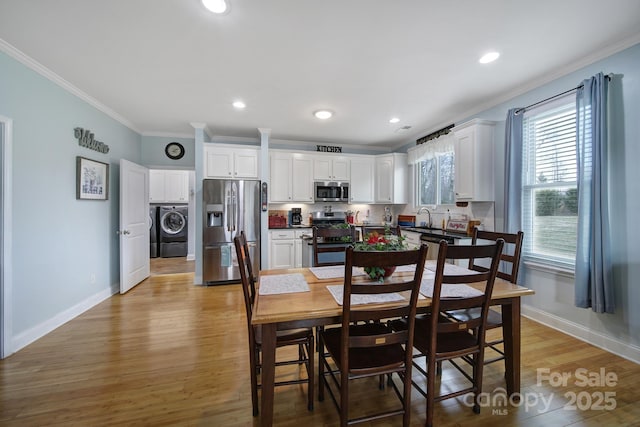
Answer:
(285, 247)
(282, 249)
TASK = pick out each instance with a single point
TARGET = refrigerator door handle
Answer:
(228, 210)
(233, 204)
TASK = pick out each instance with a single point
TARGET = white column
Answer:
(199, 166)
(264, 177)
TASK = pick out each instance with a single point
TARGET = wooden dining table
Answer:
(317, 307)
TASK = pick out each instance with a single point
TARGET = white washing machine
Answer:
(172, 222)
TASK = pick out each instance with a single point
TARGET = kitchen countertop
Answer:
(436, 232)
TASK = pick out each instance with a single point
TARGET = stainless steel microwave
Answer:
(331, 191)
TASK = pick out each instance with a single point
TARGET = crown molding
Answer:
(55, 78)
(169, 135)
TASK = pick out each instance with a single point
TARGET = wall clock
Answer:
(174, 150)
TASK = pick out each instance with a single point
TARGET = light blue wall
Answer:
(554, 292)
(153, 156)
(58, 242)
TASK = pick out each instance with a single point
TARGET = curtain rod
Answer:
(522, 110)
(433, 135)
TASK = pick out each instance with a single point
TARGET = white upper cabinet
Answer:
(391, 178)
(330, 168)
(362, 186)
(231, 162)
(168, 186)
(291, 177)
(474, 165)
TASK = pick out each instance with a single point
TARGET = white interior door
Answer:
(134, 224)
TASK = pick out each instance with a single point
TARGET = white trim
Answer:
(598, 339)
(55, 78)
(168, 134)
(6, 228)
(548, 267)
(27, 337)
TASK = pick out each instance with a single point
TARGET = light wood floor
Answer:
(171, 353)
(171, 265)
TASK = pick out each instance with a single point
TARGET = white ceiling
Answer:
(159, 65)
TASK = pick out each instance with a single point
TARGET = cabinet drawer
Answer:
(282, 234)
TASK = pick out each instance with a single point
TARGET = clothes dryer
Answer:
(173, 231)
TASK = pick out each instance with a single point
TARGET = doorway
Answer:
(174, 222)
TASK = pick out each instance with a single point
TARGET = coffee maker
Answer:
(296, 216)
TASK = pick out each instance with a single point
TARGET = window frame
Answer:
(438, 178)
(529, 253)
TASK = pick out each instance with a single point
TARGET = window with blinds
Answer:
(550, 196)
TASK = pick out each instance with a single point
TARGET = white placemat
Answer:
(282, 284)
(333, 272)
(448, 290)
(337, 293)
(406, 268)
(449, 269)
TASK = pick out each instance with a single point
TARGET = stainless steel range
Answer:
(326, 218)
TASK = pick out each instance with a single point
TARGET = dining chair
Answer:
(439, 338)
(365, 347)
(303, 337)
(508, 270)
(328, 240)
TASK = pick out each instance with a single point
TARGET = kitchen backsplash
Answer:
(482, 211)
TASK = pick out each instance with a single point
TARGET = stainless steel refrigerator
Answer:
(229, 207)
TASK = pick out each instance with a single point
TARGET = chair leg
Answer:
(253, 355)
(310, 372)
(320, 368)
(431, 388)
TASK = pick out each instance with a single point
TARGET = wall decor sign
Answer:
(92, 179)
(85, 139)
(328, 148)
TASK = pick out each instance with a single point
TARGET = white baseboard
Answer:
(191, 257)
(25, 338)
(612, 345)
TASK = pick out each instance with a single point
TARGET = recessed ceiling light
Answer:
(239, 105)
(394, 120)
(489, 57)
(323, 114)
(215, 6)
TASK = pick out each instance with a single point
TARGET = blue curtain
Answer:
(593, 273)
(513, 171)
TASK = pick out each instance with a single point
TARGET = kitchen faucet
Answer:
(429, 224)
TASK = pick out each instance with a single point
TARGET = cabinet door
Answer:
(340, 169)
(322, 168)
(361, 188)
(464, 166)
(384, 179)
(156, 186)
(176, 186)
(245, 163)
(218, 163)
(280, 167)
(282, 254)
(301, 178)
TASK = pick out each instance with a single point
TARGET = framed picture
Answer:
(92, 179)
